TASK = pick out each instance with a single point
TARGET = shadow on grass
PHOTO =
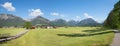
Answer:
(84, 35)
(3, 42)
(94, 30)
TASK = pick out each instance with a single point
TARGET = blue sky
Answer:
(55, 9)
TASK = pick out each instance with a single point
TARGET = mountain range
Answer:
(13, 20)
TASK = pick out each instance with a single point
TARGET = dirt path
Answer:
(116, 40)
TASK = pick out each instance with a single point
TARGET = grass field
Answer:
(71, 36)
(11, 31)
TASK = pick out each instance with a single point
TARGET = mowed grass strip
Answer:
(51, 37)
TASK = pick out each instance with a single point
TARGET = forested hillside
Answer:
(113, 20)
(8, 20)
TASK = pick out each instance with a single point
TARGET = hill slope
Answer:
(39, 20)
(113, 20)
(88, 22)
(10, 20)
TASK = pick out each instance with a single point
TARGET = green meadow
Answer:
(71, 36)
(11, 31)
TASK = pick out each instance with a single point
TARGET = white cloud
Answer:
(27, 19)
(87, 15)
(62, 15)
(100, 20)
(78, 17)
(35, 12)
(55, 14)
(8, 6)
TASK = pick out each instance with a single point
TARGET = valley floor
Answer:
(71, 36)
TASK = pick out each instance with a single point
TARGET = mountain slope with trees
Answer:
(39, 20)
(113, 20)
(88, 22)
(58, 22)
(10, 20)
(72, 23)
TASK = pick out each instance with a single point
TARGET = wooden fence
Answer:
(13, 37)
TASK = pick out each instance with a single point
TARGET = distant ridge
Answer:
(88, 22)
(39, 20)
(13, 20)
